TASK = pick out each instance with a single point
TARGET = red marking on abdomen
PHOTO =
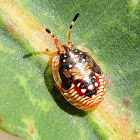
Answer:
(78, 89)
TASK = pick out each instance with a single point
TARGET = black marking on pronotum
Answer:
(62, 57)
(76, 51)
(64, 66)
(66, 82)
(86, 57)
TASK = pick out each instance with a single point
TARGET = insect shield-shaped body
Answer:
(77, 75)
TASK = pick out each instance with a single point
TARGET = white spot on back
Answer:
(90, 87)
(83, 60)
(96, 84)
(93, 96)
(78, 84)
(70, 66)
(83, 90)
(72, 85)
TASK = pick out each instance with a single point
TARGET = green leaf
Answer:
(31, 106)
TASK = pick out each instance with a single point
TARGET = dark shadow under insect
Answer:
(56, 94)
(58, 97)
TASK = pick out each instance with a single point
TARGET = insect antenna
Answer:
(55, 40)
(71, 25)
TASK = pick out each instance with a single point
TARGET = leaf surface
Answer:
(31, 107)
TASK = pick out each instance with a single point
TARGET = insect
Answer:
(77, 75)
